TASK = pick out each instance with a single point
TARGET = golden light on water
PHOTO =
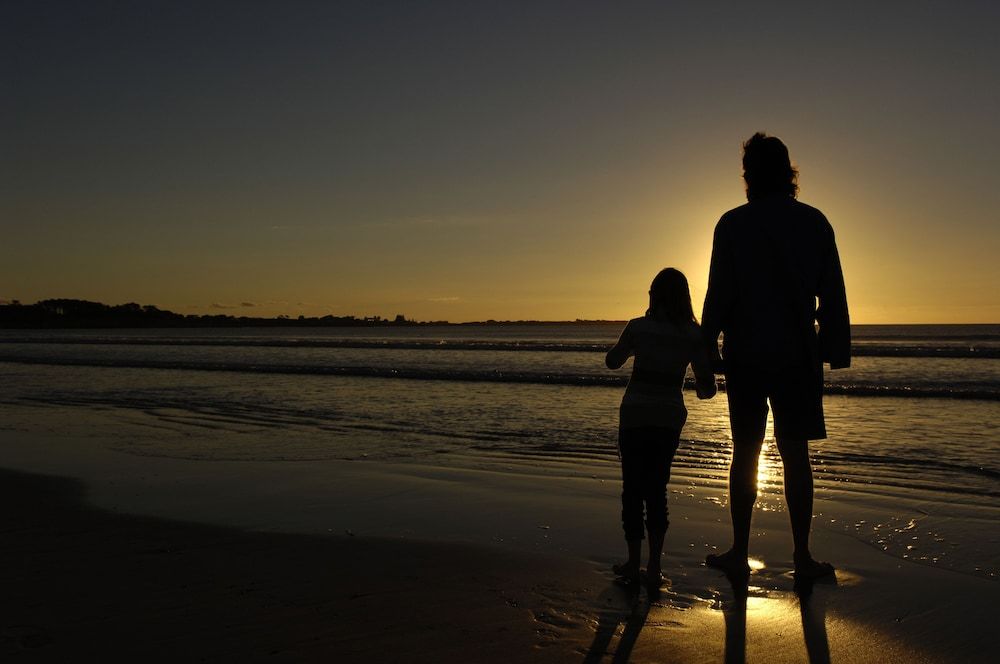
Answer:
(768, 462)
(766, 470)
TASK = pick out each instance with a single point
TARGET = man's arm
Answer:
(701, 364)
(832, 315)
(721, 292)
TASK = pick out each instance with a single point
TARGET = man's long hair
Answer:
(767, 170)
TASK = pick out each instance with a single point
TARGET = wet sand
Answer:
(151, 559)
(84, 584)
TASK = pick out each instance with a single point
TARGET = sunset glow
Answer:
(469, 161)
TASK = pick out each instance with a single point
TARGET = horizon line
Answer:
(298, 318)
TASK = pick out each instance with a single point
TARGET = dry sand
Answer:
(94, 570)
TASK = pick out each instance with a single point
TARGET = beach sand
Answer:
(117, 557)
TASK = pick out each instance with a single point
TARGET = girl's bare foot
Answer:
(627, 570)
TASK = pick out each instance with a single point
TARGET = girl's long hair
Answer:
(670, 297)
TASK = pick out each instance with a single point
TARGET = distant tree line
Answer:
(66, 313)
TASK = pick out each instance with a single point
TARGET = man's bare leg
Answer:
(742, 496)
(799, 497)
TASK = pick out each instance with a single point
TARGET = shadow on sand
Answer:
(812, 611)
(626, 612)
(625, 607)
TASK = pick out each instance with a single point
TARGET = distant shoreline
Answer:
(65, 314)
(82, 314)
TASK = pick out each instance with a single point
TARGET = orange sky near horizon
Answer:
(464, 161)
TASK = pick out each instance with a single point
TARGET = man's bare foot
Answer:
(730, 562)
(809, 569)
(655, 579)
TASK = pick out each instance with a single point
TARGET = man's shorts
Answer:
(795, 395)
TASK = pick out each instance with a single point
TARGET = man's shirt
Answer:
(775, 272)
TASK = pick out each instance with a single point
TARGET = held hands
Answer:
(706, 389)
(705, 370)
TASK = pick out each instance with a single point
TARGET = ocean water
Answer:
(913, 424)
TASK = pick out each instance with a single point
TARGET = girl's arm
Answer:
(622, 350)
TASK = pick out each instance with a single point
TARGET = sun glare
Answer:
(766, 469)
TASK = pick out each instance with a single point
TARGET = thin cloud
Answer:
(426, 222)
(222, 305)
(249, 304)
(444, 299)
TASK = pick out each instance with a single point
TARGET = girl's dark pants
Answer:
(647, 453)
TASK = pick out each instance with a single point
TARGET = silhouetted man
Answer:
(771, 260)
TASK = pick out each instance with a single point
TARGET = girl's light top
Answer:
(662, 352)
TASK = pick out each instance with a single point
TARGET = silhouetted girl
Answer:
(664, 342)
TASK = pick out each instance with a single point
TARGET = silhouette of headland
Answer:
(69, 314)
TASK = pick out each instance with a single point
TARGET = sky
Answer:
(472, 160)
